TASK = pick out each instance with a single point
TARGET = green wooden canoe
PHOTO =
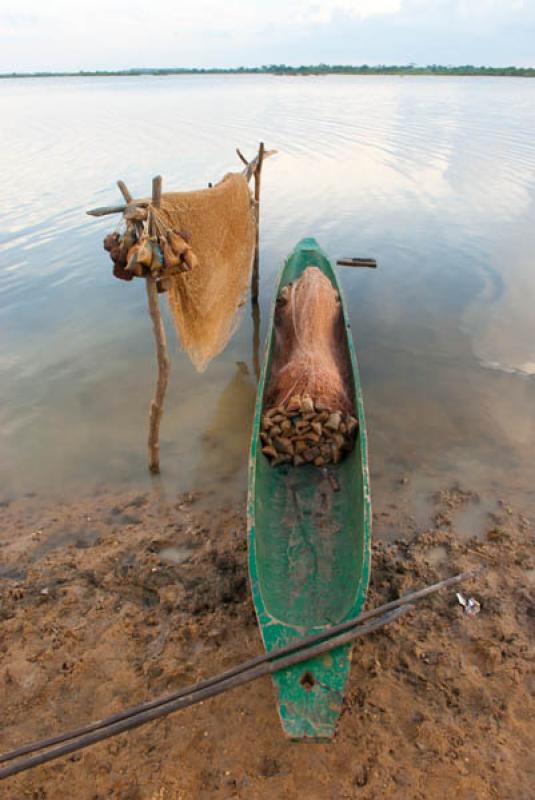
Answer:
(309, 546)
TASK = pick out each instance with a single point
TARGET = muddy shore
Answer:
(116, 598)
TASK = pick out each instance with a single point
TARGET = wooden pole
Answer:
(256, 339)
(256, 263)
(124, 191)
(242, 157)
(157, 404)
(370, 263)
(105, 210)
(157, 191)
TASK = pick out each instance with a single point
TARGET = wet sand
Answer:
(120, 597)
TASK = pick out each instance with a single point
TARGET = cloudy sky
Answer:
(108, 34)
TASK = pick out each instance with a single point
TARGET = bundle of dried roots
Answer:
(147, 247)
(302, 431)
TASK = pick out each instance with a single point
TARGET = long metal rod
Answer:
(272, 656)
(198, 695)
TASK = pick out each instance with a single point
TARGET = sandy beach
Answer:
(395, 213)
(115, 598)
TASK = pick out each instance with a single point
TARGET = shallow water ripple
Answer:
(435, 177)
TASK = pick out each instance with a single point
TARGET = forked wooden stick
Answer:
(164, 365)
(256, 263)
(242, 157)
(252, 166)
(254, 169)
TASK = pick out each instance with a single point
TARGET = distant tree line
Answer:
(284, 69)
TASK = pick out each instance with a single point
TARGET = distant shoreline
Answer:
(283, 69)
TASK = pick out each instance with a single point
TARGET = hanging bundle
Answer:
(199, 248)
(139, 254)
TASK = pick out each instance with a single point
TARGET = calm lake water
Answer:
(434, 177)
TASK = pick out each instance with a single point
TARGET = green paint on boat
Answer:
(309, 546)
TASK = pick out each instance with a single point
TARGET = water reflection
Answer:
(224, 442)
(433, 177)
(255, 313)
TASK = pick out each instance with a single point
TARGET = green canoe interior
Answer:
(309, 547)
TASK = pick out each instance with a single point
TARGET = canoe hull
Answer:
(309, 548)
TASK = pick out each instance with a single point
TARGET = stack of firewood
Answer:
(302, 431)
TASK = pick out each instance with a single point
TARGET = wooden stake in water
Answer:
(256, 263)
(164, 364)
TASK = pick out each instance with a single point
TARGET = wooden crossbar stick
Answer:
(371, 263)
(103, 211)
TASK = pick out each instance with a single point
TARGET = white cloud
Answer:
(112, 18)
(62, 34)
(318, 11)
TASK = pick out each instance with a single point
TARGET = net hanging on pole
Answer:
(219, 224)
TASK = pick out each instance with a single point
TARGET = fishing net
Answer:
(309, 355)
(308, 408)
(219, 225)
